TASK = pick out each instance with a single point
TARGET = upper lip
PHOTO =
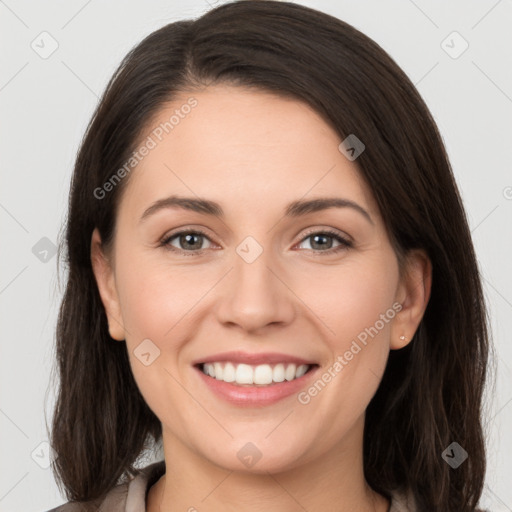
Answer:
(253, 359)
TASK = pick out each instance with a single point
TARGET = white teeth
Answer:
(218, 370)
(244, 374)
(262, 374)
(290, 372)
(229, 374)
(301, 370)
(278, 373)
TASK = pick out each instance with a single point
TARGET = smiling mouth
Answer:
(247, 375)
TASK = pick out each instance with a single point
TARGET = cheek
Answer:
(154, 310)
(156, 294)
(149, 307)
(351, 298)
(356, 306)
(158, 304)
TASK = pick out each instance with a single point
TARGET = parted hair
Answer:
(431, 393)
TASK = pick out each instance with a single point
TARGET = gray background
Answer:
(45, 106)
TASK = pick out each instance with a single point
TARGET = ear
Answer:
(413, 294)
(105, 279)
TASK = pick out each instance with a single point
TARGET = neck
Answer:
(335, 480)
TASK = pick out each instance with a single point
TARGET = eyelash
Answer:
(344, 243)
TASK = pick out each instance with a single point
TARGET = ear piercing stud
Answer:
(403, 338)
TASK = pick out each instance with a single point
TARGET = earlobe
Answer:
(105, 281)
(413, 294)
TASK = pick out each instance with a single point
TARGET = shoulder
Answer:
(114, 501)
(127, 496)
(402, 500)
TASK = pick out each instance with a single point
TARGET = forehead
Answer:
(241, 146)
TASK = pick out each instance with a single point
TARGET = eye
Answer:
(189, 241)
(320, 240)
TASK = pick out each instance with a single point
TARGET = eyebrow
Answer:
(294, 209)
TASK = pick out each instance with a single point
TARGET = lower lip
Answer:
(256, 395)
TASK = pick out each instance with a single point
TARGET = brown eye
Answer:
(187, 241)
(322, 241)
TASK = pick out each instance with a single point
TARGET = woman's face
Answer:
(266, 278)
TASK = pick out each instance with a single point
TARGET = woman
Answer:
(271, 272)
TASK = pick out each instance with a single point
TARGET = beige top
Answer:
(131, 496)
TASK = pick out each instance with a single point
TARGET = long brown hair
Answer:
(431, 392)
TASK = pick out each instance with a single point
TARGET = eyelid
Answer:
(345, 240)
(185, 230)
(328, 230)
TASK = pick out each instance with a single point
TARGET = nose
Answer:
(255, 296)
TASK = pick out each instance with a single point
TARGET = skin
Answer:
(254, 152)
